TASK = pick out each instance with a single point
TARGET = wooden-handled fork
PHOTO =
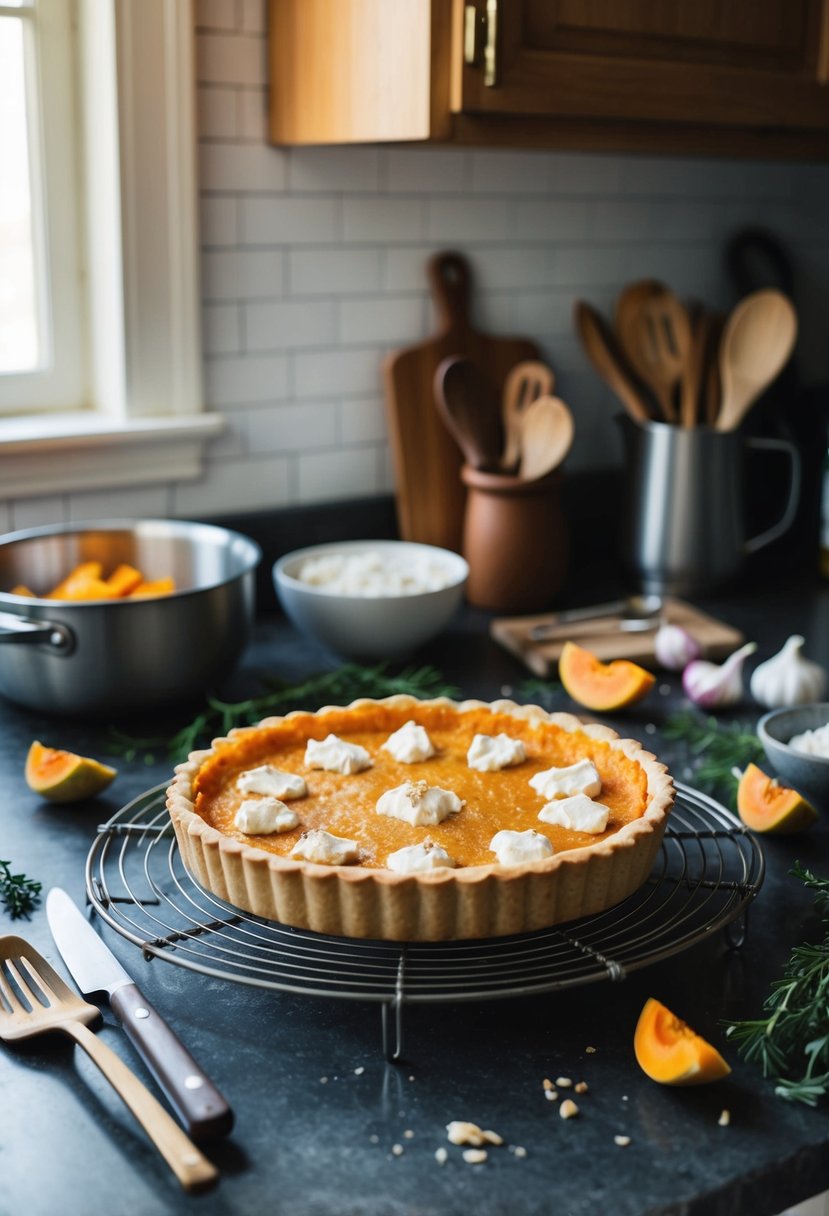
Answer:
(34, 1000)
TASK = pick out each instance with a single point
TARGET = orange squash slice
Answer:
(766, 806)
(62, 776)
(602, 686)
(669, 1051)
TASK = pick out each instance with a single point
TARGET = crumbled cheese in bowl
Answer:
(812, 742)
(374, 575)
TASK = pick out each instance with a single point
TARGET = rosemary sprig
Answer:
(545, 693)
(716, 749)
(792, 1044)
(19, 895)
(340, 686)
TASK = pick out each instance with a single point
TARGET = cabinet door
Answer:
(745, 63)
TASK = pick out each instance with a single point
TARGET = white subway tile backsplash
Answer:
(221, 329)
(228, 486)
(363, 420)
(335, 272)
(550, 219)
(6, 524)
(589, 266)
(425, 170)
(287, 324)
(216, 14)
(254, 16)
(584, 173)
(217, 112)
(405, 268)
(218, 220)
(382, 220)
(286, 221)
(506, 172)
(128, 502)
(241, 168)
(382, 321)
(243, 379)
(499, 267)
(345, 473)
(300, 427)
(337, 373)
(252, 116)
(622, 220)
(469, 219)
(231, 59)
(239, 274)
(38, 512)
(333, 168)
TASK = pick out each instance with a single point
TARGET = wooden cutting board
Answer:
(427, 461)
(607, 641)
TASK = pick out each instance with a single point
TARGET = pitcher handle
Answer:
(787, 518)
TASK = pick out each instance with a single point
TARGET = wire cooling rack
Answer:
(707, 873)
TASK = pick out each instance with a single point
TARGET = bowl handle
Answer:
(15, 628)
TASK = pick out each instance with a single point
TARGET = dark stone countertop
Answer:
(304, 1147)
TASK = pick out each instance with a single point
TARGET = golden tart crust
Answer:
(479, 898)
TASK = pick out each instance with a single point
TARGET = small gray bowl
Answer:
(807, 774)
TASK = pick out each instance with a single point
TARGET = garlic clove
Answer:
(712, 685)
(674, 647)
(787, 678)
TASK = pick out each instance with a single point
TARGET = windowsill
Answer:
(48, 454)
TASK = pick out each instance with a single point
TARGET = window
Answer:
(132, 407)
(43, 340)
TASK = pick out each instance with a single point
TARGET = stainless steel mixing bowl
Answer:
(115, 656)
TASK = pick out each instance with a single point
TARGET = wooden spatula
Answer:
(757, 341)
(600, 346)
(525, 383)
(469, 406)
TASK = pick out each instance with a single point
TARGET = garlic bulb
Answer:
(674, 647)
(788, 678)
(712, 686)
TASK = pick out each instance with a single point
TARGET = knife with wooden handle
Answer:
(201, 1109)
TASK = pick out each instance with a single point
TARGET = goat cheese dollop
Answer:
(418, 858)
(324, 848)
(580, 778)
(336, 756)
(273, 781)
(418, 803)
(489, 753)
(264, 816)
(579, 813)
(516, 848)
(410, 744)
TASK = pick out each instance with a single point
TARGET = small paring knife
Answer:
(199, 1106)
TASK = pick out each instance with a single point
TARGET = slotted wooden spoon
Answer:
(524, 384)
(34, 1000)
(546, 437)
(757, 341)
(657, 341)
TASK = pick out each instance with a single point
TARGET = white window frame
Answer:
(60, 382)
(145, 420)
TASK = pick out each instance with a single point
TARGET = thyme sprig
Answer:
(716, 750)
(792, 1043)
(340, 686)
(19, 895)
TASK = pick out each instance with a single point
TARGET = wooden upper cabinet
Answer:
(734, 76)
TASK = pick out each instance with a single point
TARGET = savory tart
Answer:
(421, 820)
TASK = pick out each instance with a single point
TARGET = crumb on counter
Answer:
(622, 1141)
(580, 1087)
(441, 1155)
(474, 1156)
(563, 1082)
(725, 1118)
(568, 1109)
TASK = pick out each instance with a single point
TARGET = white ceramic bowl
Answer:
(806, 773)
(377, 626)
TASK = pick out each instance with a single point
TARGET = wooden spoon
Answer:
(600, 346)
(546, 437)
(758, 339)
(524, 383)
(657, 341)
(469, 406)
